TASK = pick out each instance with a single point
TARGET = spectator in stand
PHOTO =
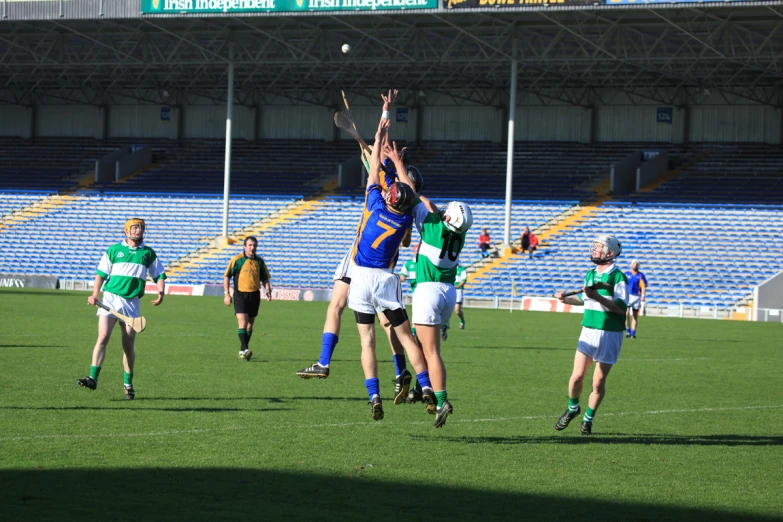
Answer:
(529, 241)
(483, 242)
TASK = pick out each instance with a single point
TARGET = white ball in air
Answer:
(346, 48)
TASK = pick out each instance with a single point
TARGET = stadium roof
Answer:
(570, 55)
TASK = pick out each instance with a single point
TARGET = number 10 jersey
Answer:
(440, 247)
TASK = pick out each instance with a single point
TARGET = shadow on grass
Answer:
(125, 408)
(616, 438)
(278, 400)
(245, 494)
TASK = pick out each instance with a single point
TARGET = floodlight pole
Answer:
(512, 105)
(227, 165)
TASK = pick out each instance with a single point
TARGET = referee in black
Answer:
(248, 272)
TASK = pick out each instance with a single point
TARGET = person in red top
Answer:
(529, 241)
(483, 242)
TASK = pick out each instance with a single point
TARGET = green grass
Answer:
(692, 426)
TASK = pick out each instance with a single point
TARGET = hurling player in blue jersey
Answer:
(321, 368)
(375, 288)
(637, 288)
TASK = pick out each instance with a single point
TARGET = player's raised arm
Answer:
(374, 176)
(396, 157)
(388, 100)
(430, 205)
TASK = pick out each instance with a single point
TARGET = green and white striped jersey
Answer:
(462, 276)
(125, 269)
(439, 250)
(409, 272)
(596, 315)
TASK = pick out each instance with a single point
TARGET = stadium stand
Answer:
(306, 252)
(721, 216)
(686, 226)
(76, 234)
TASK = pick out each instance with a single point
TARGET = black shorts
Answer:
(247, 303)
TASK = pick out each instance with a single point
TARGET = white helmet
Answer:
(610, 249)
(460, 216)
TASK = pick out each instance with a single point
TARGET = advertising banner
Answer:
(472, 4)
(23, 281)
(643, 2)
(151, 288)
(279, 6)
(547, 304)
(280, 294)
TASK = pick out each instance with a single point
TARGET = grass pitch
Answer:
(692, 426)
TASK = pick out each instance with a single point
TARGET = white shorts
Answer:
(374, 290)
(600, 345)
(433, 303)
(129, 307)
(344, 268)
(460, 295)
(635, 302)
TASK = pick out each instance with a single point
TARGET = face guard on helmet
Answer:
(416, 178)
(400, 197)
(139, 236)
(460, 216)
(605, 250)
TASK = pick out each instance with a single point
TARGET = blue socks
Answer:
(328, 342)
(373, 388)
(399, 363)
(424, 379)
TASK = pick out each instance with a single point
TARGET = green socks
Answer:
(95, 371)
(589, 414)
(441, 396)
(129, 379)
(573, 404)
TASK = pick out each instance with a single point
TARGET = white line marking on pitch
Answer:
(351, 424)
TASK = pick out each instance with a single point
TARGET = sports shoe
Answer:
(442, 413)
(586, 429)
(627, 335)
(376, 408)
(402, 384)
(130, 393)
(87, 382)
(414, 396)
(461, 326)
(315, 371)
(429, 400)
(444, 332)
(568, 416)
(246, 355)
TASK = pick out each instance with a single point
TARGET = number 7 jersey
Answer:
(440, 247)
(380, 233)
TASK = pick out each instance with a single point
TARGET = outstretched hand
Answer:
(393, 153)
(388, 99)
